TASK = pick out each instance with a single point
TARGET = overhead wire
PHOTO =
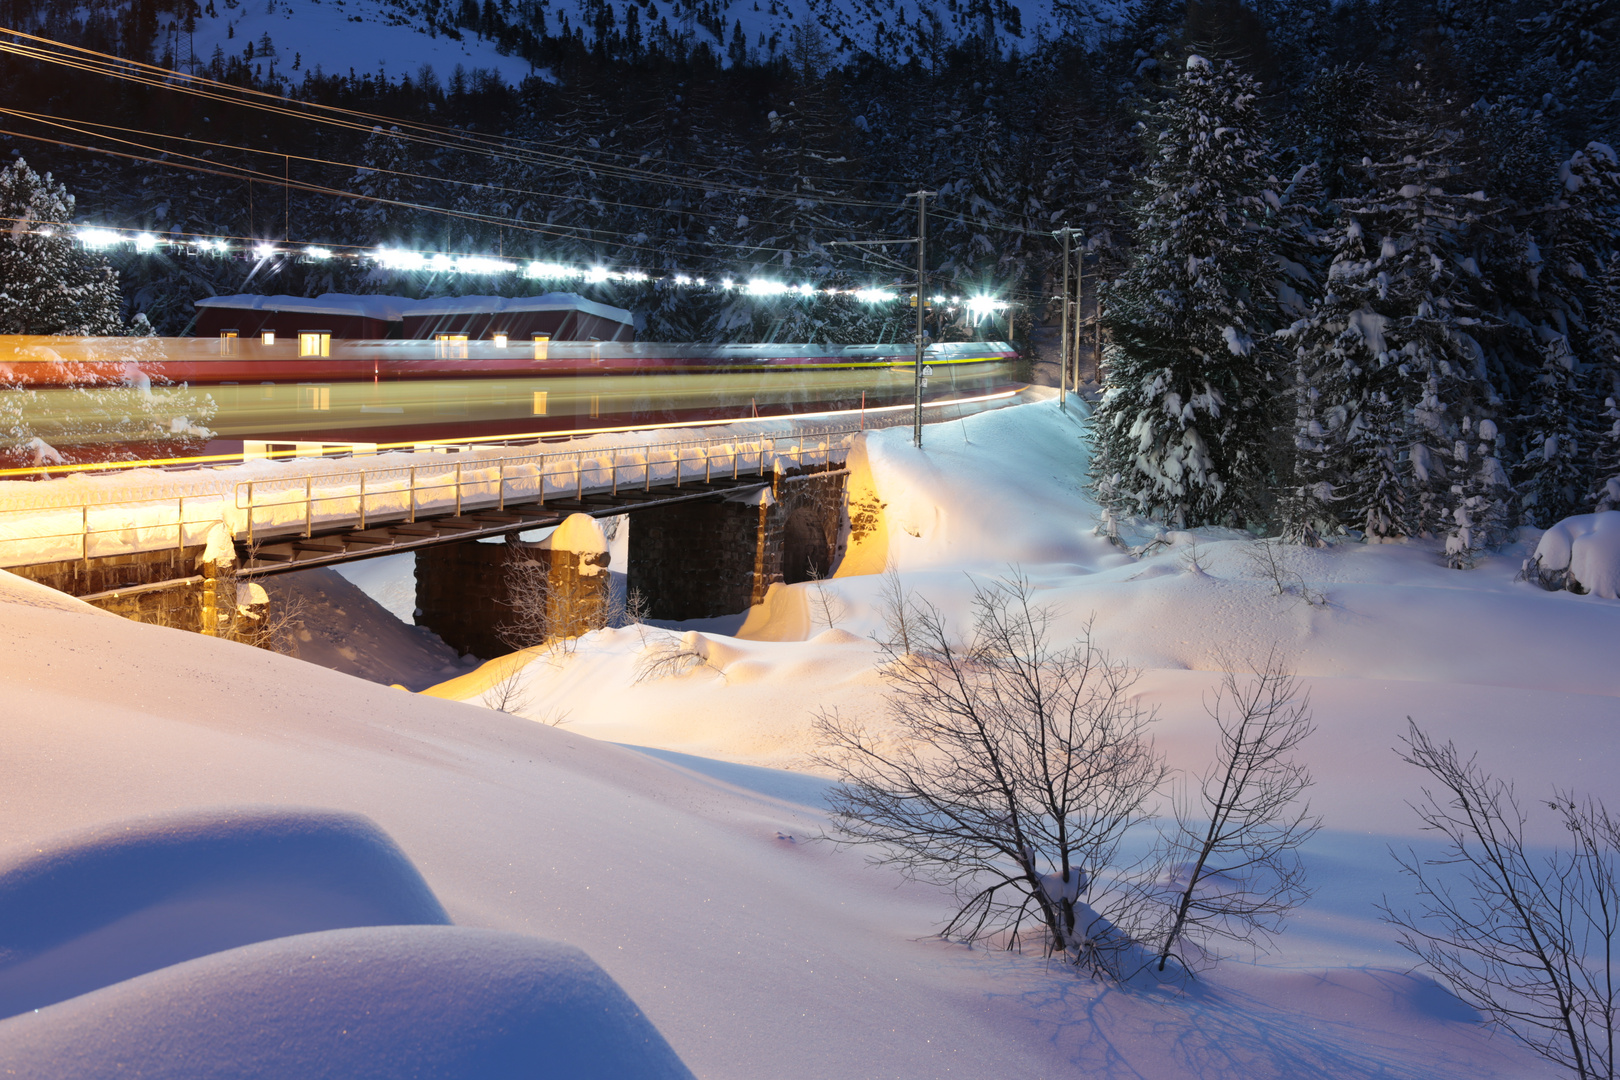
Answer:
(444, 138)
(92, 61)
(51, 121)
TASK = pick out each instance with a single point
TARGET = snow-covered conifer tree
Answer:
(1185, 432)
(1397, 427)
(48, 283)
(1553, 471)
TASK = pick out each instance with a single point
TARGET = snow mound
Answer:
(93, 908)
(15, 589)
(1586, 548)
(372, 1003)
(338, 626)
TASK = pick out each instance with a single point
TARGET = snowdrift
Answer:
(1584, 550)
(696, 881)
(87, 910)
(376, 1003)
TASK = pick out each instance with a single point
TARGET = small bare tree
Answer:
(1269, 560)
(1014, 773)
(1235, 847)
(546, 613)
(667, 657)
(826, 606)
(509, 693)
(1528, 939)
(898, 617)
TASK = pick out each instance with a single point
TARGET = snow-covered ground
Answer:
(668, 827)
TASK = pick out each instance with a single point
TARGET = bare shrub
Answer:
(1528, 939)
(1015, 771)
(1270, 562)
(826, 606)
(509, 694)
(668, 657)
(274, 629)
(1236, 845)
(547, 613)
(899, 619)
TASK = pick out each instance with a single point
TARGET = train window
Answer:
(227, 343)
(314, 343)
(542, 344)
(315, 398)
(268, 337)
(267, 391)
(596, 406)
(539, 403)
(500, 341)
(451, 346)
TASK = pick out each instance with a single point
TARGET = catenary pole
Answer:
(922, 288)
(1063, 339)
(1079, 307)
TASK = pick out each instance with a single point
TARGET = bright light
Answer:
(981, 306)
(146, 242)
(550, 270)
(98, 239)
(213, 245)
(440, 264)
(726, 283)
(400, 260)
(762, 287)
(875, 296)
(682, 279)
(633, 275)
(264, 251)
(500, 341)
(318, 252)
(268, 337)
(597, 274)
(478, 264)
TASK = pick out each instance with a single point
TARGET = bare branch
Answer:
(1235, 847)
(1527, 940)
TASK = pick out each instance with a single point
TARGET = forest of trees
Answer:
(1358, 257)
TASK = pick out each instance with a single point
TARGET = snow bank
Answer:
(1587, 547)
(336, 625)
(89, 909)
(363, 1004)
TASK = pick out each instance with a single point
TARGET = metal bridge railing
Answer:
(85, 523)
(298, 505)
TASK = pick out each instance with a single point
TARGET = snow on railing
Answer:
(91, 522)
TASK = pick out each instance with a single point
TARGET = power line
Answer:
(91, 61)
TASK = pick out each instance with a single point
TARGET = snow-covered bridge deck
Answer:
(286, 514)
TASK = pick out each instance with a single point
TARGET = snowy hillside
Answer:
(397, 38)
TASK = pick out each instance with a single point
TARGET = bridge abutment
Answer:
(697, 560)
(480, 597)
(119, 584)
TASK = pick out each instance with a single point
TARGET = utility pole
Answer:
(922, 286)
(1079, 306)
(1063, 340)
(921, 240)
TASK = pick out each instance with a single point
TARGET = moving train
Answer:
(105, 398)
